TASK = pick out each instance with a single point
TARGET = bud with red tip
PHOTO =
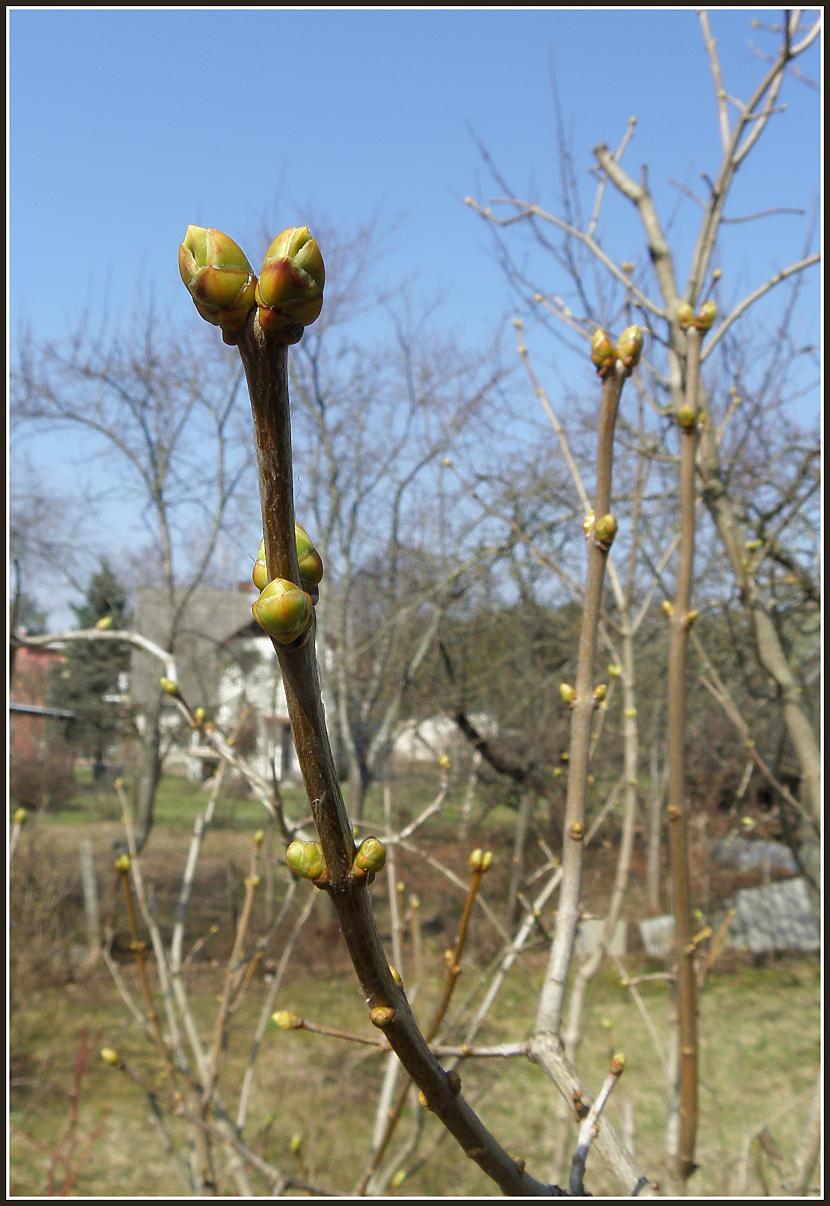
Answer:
(630, 346)
(290, 288)
(603, 353)
(218, 277)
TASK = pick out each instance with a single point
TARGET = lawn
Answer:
(759, 1027)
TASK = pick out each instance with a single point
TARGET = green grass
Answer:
(759, 1051)
(178, 803)
(759, 1025)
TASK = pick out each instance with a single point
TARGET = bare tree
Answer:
(756, 519)
(167, 429)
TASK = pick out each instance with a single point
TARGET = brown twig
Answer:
(265, 364)
(439, 1013)
(677, 808)
(590, 1127)
(549, 1016)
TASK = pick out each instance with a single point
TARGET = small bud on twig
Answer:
(218, 277)
(382, 1016)
(306, 860)
(706, 315)
(370, 857)
(283, 611)
(617, 1064)
(687, 417)
(630, 347)
(603, 353)
(605, 529)
(289, 292)
(284, 1019)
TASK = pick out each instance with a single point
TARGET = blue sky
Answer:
(127, 125)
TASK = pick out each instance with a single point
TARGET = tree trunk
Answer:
(148, 772)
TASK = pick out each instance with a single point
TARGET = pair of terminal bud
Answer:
(481, 860)
(702, 321)
(667, 609)
(306, 859)
(288, 293)
(627, 349)
(567, 694)
(284, 610)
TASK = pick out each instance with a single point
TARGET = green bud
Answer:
(481, 860)
(605, 529)
(104, 623)
(600, 692)
(370, 857)
(706, 315)
(122, 864)
(630, 346)
(20, 816)
(614, 670)
(382, 1016)
(218, 277)
(309, 560)
(168, 686)
(685, 315)
(398, 1179)
(283, 610)
(306, 859)
(284, 1019)
(110, 1056)
(290, 288)
(260, 573)
(296, 1143)
(603, 354)
(687, 417)
(567, 694)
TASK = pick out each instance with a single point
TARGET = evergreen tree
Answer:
(87, 682)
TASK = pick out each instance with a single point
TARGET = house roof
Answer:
(204, 640)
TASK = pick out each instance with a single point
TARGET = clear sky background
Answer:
(125, 126)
